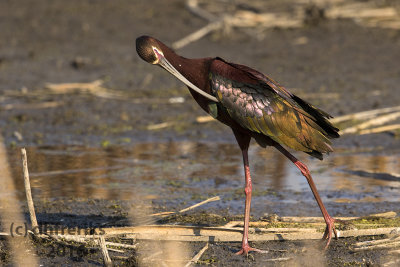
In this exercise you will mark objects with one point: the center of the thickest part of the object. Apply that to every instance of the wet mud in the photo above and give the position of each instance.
(94, 161)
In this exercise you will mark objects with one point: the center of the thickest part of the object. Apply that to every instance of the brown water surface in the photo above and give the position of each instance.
(180, 173)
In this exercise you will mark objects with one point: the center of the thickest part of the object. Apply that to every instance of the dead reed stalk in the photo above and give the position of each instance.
(28, 192)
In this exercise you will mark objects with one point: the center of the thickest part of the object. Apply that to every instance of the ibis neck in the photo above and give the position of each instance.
(196, 71)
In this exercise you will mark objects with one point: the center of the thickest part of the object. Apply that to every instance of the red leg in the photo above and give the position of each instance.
(330, 222)
(247, 190)
(244, 141)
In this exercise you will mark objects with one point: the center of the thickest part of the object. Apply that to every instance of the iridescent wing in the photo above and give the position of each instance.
(261, 105)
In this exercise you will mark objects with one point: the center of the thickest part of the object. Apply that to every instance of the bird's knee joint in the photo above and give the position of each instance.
(303, 168)
(247, 190)
(305, 172)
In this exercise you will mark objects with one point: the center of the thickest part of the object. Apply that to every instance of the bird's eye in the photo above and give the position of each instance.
(157, 52)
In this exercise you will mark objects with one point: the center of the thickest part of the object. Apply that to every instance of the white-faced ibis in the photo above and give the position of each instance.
(254, 106)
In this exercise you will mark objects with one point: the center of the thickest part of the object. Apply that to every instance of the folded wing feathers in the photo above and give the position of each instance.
(263, 111)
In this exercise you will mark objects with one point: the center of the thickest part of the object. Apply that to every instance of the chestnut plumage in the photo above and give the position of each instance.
(253, 106)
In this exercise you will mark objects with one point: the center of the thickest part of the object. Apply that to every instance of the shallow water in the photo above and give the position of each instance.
(178, 174)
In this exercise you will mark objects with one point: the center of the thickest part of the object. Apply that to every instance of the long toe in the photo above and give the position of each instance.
(330, 228)
(246, 249)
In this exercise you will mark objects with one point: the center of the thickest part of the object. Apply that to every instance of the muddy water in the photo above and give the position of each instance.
(178, 174)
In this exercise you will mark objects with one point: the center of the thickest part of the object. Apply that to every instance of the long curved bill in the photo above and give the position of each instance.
(167, 66)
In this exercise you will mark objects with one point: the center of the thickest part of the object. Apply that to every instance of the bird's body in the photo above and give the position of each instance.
(265, 109)
(254, 106)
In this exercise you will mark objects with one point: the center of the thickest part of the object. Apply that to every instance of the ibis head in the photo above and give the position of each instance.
(152, 51)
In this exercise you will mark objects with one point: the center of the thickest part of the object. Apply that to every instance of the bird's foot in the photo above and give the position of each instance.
(246, 249)
(330, 228)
